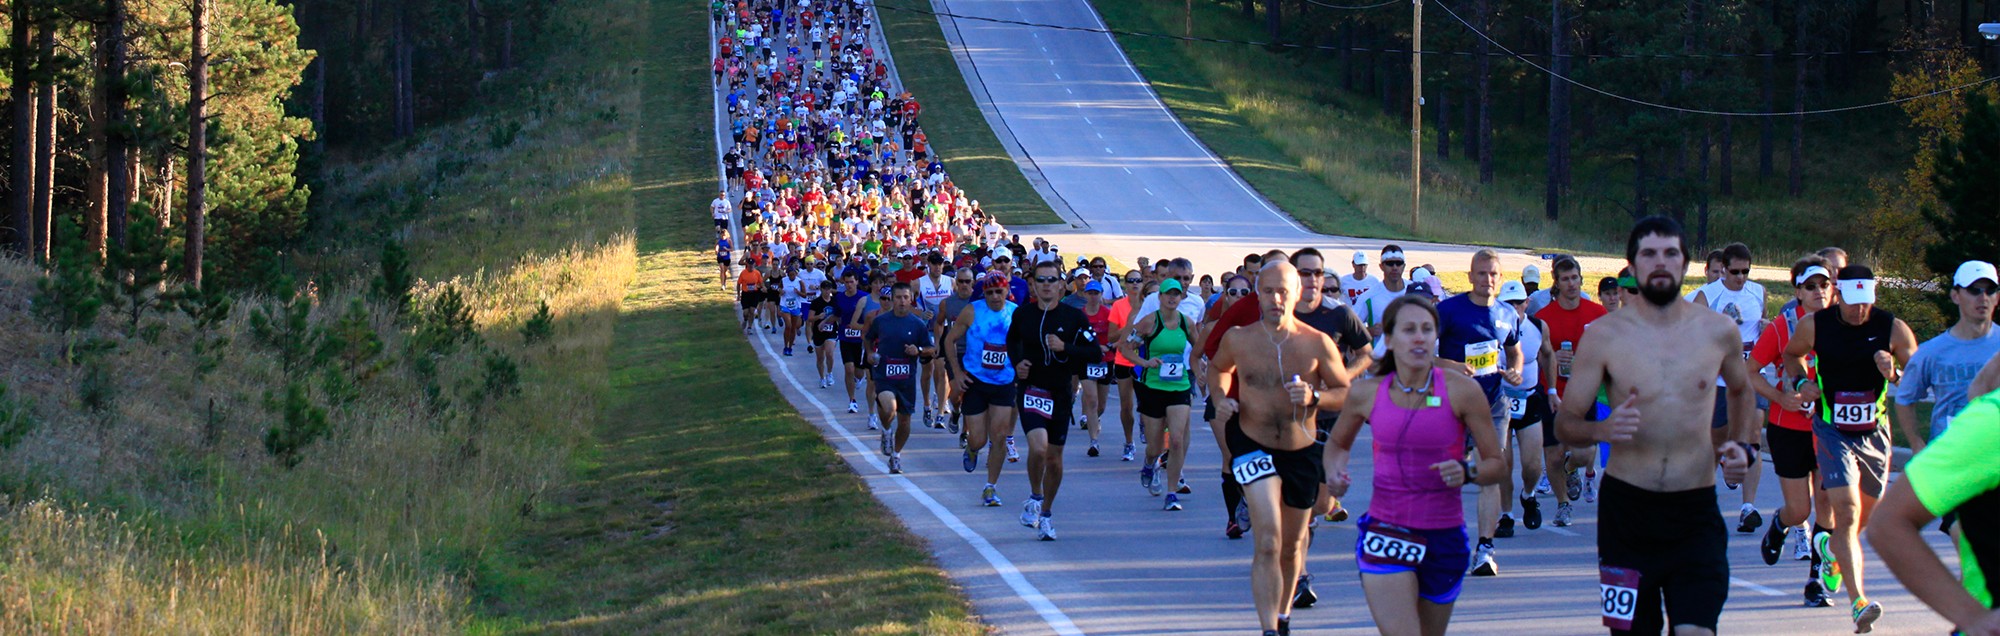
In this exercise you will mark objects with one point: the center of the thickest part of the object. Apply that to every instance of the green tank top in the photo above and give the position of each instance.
(1170, 347)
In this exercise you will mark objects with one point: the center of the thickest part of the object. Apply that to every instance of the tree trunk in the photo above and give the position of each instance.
(401, 45)
(1274, 19)
(507, 44)
(1767, 126)
(197, 176)
(1558, 113)
(1728, 152)
(1443, 125)
(1484, 75)
(1639, 178)
(1469, 127)
(118, 141)
(1250, 9)
(1347, 56)
(45, 148)
(21, 112)
(1701, 192)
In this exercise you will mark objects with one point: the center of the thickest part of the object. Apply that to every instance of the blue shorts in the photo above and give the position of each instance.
(1442, 573)
(799, 311)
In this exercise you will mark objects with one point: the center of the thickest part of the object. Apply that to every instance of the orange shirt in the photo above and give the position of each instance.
(750, 280)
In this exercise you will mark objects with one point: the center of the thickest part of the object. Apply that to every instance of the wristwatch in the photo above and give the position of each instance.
(1471, 470)
(1748, 451)
(1315, 401)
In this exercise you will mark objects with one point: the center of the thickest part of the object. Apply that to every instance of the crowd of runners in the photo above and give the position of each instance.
(844, 236)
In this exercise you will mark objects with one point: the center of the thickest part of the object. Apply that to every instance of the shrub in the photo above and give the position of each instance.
(300, 424)
(392, 285)
(539, 327)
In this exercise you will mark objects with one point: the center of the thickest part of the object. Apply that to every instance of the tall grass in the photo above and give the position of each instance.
(163, 513)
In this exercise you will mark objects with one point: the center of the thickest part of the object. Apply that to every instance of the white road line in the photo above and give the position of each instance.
(1754, 587)
(1100, 135)
(1067, 90)
(1087, 121)
(1051, 614)
(1149, 191)
(1564, 531)
(1127, 170)
(1107, 150)
(1058, 75)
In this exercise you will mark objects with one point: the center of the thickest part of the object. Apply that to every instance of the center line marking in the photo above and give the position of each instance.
(1107, 149)
(1149, 191)
(1754, 587)
(1127, 170)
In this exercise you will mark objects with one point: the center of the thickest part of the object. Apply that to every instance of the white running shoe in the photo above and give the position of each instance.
(1483, 563)
(1013, 455)
(852, 407)
(1046, 529)
(1801, 548)
(1031, 511)
(1543, 489)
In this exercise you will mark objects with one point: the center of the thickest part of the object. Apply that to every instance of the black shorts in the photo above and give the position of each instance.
(751, 299)
(979, 395)
(850, 353)
(1153, 402)
(1792, 454)
(1056, 424)
(722, 224)
(1677, 542)
(1323, 425)
(1106, 377)
(1121, 372)
(1299, 471)
(905, 392)
(1537, 412)
(826, 335)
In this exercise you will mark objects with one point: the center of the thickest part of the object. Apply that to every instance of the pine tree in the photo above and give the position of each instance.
(140, 268)
(1965, 182)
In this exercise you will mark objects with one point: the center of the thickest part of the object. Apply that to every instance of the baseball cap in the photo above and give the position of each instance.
(1857, 285)
(1094, 286)
(1974, 271)
(1420, 273)
(1513, 290)
(1419, 287)
(1171, 284)
(994, 279)
(1360, 258)
(1531, 274)
(1810, 272)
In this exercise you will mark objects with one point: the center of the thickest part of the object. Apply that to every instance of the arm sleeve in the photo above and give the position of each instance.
(1958, 466)
(1353, 335)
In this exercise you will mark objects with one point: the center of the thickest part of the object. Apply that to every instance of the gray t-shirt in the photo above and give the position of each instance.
(891, 333)
(1942, 368)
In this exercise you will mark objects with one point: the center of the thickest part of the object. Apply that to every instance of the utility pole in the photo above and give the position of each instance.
(1417, 115)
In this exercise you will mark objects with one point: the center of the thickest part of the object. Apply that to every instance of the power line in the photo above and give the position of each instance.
(1359, 8)
(1696, 111)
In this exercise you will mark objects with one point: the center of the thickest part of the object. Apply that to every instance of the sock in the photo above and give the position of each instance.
(1035, 497)
(1046, 514)
(1748, 508)
(1232, 494)
(1282, 618)
(989, 484)
(1486, 541)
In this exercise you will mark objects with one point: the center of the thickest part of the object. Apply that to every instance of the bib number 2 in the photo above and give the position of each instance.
(1619, 593)
(1252, 467)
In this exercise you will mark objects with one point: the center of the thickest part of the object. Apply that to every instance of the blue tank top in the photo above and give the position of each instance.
(986, 344)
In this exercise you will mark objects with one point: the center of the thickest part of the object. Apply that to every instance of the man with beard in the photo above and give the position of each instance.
(1661, 538)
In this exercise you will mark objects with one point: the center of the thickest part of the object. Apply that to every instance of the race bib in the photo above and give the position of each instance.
(789, 304)
(1038, 401)
(1517, 407)
(1173, 367)
(1252, 467)
(1385, 544)
(851, 333)
(993, 357)
(897, 369)
(1854, 411)
(1747, 346)
(826, 327)
(1096, 371)
(1619, 589)
(1483, 358)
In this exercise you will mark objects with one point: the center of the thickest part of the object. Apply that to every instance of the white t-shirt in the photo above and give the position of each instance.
(1745, 307)
(993, 233)
(933, 293)
(1354, 288)
(1371, 305)
(810, 279)
(720, 206)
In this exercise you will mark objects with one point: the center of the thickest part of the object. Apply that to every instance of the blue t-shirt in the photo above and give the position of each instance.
(891, 333)
(1019, 288)
(1478, 336)
(843, 311)
(1942, 369)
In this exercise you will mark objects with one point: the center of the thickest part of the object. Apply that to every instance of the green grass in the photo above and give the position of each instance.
(958, 132)
(708, 505)
(1318, 151)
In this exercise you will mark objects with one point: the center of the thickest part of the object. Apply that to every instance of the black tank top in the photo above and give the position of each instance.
(1851, 386)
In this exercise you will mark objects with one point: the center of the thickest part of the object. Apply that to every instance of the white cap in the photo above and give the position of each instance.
(1512, 290)
(1857, 291)
(1810, 272)
(1419, 273)
(1531, 274)
(1974, 271)
(1360, 258)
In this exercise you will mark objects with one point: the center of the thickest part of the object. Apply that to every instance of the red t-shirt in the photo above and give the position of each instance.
(1246, 311)
(1120, 315)
(1566, 327)
(1770, 349)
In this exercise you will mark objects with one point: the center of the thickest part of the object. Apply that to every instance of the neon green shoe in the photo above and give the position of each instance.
(1829, 568)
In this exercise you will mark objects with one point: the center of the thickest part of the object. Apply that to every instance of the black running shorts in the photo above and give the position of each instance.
(905, 392)
(1791, 452)
(1059, 403)
(850, 353)
(1537, 412)
(1676, 541)
(1120, 372)
(1153, 402)
(979, 395)
(1299, 471)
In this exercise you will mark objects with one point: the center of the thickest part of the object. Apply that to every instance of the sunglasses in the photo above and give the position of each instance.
(1048, 279)
(1237, 291)
(1739, 272)
(1134, 281)
(1392, 263)
(996, 292)
(1981, 291)
(1303, 272)
(962, 282)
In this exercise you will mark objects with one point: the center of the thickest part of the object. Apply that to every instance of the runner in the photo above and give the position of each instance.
(1789, 431)
(1608, 290)
(1528, 412)
(1372, 304)
(750, 293)
(1958, 475)
(1482, 339)
(1237, 311)
(1330, 316)
(1412, 549)
(1946, 364)
(1861, 349)
(895, 341)
(792, 297)
(1359, 283)
(1733, 295)
(948, 312)
(1567, 314)
(1048, 343)
(824, 326)
(1660, 538)
(1095, 378)
(1158, 351)
(869, 309)
(1270, 432)
(847, 304)
(1135, 292)
(724, 250)
(984, 376)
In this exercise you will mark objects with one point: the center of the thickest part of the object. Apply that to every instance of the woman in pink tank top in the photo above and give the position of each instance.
(1412, 549)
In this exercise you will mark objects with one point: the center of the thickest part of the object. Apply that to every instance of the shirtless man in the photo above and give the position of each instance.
(1661, 538)
(1270, 431)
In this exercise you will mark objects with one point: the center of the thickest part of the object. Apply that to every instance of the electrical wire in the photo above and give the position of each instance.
(1348, 8)
(1697, 111)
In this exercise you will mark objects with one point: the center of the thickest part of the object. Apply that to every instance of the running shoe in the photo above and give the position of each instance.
(1128, 453)
(1304, 597)
(1338, 513)
(1233, 531)
(990, 498)
(1575, 483)
(895, 465)
(1047, 530)
(1156, 483)
(788, 352)
(874, 421)
(1031, 510)
(1542, 489)
(1173, 502)
(953, 425)
(1829, 569)
(930, 419)
(809, 348)
(1243, 515)
(1563, 512)
(1748, 520)
(1865, 615)
(1773, 544)
(1284, 626)
(1013, 455)
(852, 407)
(1482, 562)
(1815, 595)
(1183, 488)
(1801, 546)
(1590, 487)
(885, 442)
(1093, 452)
(1146, 477)
(970, 460)
(1506, 528)
(1531, 513)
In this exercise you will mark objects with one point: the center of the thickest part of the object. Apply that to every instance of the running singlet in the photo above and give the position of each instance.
(1408, 492)
(986, 344)
(1100, 325)
(1476, 336)
(843, 311)
(1169, 346)
(1956, 473)
(1531, 358)
(1121, 315)
(933, 293)
(1566, 328)
(1852, 391)
(789, 298)
(1768, 350)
